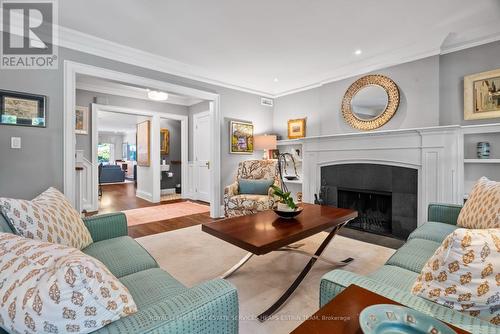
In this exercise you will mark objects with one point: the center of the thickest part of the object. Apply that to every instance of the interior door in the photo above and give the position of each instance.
(201, 157)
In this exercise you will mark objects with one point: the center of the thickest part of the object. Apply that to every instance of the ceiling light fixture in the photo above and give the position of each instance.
(275, 79)
(157, 95)
(358, 52)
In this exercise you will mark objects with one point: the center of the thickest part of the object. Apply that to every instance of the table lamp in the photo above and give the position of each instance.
(266, 143)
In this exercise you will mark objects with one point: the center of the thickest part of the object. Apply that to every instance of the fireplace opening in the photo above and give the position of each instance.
(386, 198)
(374, 209)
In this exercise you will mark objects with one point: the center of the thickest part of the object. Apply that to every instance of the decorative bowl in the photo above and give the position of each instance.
(386, 318)
(288, 214)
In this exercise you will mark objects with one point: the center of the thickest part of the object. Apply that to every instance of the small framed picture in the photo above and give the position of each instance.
(482, 95)
(81, 120)
(241, 137)
(274, 154)
(22, 109)
(297, 128)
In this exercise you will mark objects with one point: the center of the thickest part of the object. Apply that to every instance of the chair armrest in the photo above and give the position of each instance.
(107, 226)
(444, 213)
(231, 190)
(210, 307)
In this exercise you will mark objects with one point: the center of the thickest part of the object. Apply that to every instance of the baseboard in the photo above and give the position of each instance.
(144, 195)
(167, 191)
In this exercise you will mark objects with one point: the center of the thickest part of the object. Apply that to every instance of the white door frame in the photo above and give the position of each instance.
(195, 149)
(155, 147)
(71, 69)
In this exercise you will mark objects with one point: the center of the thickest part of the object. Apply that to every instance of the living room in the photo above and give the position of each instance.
(349, 166)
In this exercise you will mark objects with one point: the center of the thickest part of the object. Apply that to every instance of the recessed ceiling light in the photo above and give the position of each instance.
(358, 52)
(157, 95)
(275, 79)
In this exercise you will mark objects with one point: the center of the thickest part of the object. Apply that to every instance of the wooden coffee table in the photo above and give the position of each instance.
(265, 232)
(341, 314)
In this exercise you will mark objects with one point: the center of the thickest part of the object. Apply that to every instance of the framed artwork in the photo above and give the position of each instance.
(296, 128)
(482, 95)
(22, 109)
(164, 141)
(241, 137)
(143, 144)
(81, 120)
(274, 154)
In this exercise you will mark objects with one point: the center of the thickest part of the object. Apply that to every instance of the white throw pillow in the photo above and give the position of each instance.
(482, 209)
(51, 288)
(464, 274)
(49, 217)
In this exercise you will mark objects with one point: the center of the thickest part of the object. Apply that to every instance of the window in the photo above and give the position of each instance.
(105, 153)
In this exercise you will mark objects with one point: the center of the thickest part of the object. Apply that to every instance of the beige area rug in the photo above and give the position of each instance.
(193, 256)
(163, 212)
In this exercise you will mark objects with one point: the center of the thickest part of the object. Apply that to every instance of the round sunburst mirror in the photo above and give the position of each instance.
(370, 102)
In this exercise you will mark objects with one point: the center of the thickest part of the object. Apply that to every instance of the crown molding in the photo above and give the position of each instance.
(75, 40)
(78, 41)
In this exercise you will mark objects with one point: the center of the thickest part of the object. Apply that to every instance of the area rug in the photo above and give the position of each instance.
(163, 212)
(192, 256)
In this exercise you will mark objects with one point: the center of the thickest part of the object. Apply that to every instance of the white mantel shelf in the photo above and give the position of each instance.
(482, 161)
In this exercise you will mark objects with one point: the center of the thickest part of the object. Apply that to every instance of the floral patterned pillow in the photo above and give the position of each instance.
(49, 217)
(464, 274)
(51, 288)
(482, 209)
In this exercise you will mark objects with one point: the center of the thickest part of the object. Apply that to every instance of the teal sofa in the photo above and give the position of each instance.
(164, 304)
(395, 279)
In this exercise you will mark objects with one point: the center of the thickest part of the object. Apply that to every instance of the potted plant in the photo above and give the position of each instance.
(286, 207)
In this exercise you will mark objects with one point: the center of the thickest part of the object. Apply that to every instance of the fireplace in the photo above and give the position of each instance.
(384, 196)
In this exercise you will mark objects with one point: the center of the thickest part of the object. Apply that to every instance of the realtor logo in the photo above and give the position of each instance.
(29, 31)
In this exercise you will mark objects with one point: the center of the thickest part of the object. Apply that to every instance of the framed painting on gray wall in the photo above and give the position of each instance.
(81, 120)
(482, 95)
(240, 137)
(22, 109)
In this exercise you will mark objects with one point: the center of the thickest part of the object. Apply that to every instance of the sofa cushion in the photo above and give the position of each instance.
(463, 274)
(49, 217)
(123, 255)
(433, 231)
(396, 277)
(414, 254)
(52, 288)
(4, 225)
(151, 286)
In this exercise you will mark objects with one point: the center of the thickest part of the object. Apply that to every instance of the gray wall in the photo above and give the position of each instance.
(418, 82)
(174, 127)
(27, 172)
(86, 98)
(453, 67)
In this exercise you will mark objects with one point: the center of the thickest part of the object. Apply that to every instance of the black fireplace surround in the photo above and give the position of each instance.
(384, 196)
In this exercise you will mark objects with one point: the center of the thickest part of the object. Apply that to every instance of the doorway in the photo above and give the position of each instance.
(73, 69)
(201, 155)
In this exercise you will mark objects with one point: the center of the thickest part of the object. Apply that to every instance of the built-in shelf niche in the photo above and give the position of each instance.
(289, 146)
(475, 168)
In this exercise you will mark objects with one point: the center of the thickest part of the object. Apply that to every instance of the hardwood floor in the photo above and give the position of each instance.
(120, 197)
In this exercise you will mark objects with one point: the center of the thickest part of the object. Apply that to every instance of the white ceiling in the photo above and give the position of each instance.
(301, 42)
(102, 86)
(118, 123)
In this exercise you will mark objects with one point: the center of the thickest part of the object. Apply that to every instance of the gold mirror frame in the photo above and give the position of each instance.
(390, 88)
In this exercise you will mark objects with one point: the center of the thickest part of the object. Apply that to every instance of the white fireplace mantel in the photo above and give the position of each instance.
(437, 154)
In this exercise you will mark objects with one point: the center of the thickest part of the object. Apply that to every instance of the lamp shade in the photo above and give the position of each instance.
(264, 142)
